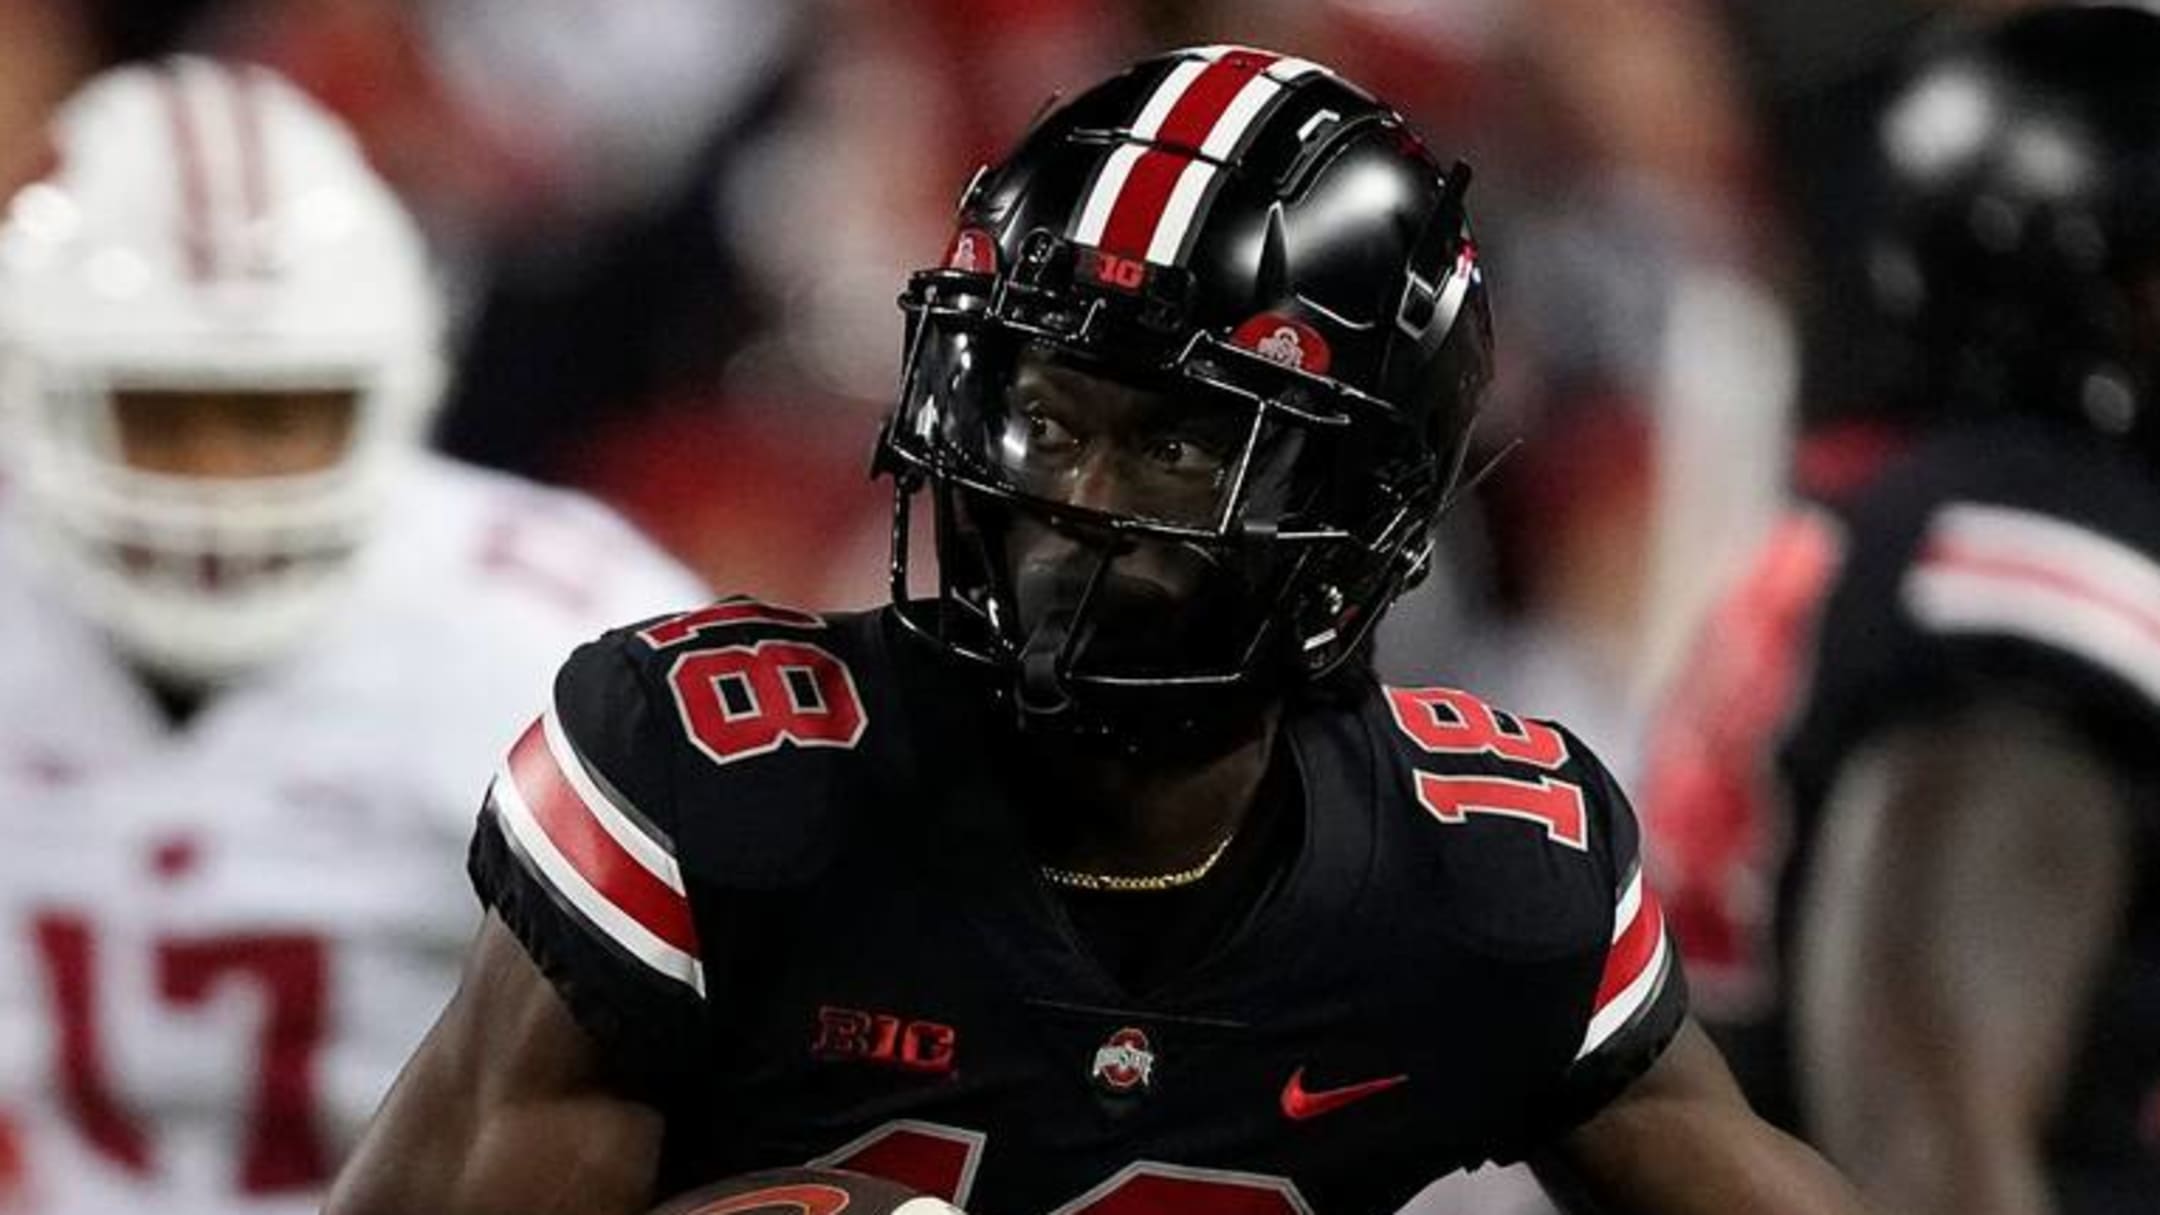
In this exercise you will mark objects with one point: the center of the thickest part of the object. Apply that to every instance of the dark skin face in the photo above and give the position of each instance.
(1100, 444)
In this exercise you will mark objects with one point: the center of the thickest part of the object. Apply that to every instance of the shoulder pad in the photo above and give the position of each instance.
(2006, 558)
(1538, 857)
(749, 725)
(1531, 834)
(1465, 757)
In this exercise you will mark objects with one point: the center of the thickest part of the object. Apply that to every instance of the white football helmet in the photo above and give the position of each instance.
(208, 228)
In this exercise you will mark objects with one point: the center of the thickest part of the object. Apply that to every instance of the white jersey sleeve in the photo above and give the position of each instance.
(218, 943)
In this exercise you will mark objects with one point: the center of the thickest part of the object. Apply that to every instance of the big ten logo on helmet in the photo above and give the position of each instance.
(1111, 270)
(884, 1039)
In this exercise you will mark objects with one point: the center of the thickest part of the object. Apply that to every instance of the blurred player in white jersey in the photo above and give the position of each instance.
(254, 643)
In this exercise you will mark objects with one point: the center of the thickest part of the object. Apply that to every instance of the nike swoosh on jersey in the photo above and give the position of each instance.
(1300, 1103)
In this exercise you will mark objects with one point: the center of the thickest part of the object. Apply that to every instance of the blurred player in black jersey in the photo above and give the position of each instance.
(1907, 792)
(1104, 877)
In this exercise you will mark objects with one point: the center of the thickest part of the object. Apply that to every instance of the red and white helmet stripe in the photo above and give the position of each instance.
(221, 169)
(1150, 194)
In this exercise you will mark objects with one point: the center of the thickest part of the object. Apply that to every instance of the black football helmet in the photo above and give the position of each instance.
(2017, 259)
(1276, 282)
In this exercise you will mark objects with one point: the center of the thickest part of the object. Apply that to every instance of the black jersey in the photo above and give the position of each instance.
(2016, 559)
(765, 858)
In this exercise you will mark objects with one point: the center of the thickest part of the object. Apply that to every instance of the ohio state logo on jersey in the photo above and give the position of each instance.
(1125, 1062)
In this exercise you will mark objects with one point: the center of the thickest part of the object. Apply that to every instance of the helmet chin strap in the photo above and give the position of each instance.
(1051, 648)
(1041, 691)
(1166, 725)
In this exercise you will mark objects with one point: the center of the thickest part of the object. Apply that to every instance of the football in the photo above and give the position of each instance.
(805, 1191)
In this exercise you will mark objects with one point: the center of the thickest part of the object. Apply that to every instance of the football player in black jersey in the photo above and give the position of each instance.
(1103, 876)
(1906, 794)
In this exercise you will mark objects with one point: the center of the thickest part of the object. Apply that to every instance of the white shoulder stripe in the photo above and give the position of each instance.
(1947, 601)
(1630, 903)
(647, 851)
(1996, 570)
(2048, 543)
(527, 836)
(1630, 1000)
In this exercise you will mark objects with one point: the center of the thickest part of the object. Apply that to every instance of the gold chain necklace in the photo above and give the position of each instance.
(1123, 882)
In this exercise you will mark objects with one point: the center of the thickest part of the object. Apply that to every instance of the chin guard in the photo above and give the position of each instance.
(1040, 692)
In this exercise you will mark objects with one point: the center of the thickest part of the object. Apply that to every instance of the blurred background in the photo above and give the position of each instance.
(674, 230)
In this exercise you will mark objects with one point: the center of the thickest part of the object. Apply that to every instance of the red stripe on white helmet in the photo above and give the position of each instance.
(193, 182)
(254, 172)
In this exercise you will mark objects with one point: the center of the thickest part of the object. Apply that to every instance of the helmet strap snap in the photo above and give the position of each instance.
(1040, 691)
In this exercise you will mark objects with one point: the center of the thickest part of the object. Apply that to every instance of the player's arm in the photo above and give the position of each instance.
(581, 1013)
(1681, 1140)
(1970, 878)
(1656, 1124)
(504, 1110)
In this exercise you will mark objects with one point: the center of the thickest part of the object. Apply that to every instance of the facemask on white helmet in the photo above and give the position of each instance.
(211, 257)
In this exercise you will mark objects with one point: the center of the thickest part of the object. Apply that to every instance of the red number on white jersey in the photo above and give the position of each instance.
(14, 1170)
(282, 1150)
(1444, 721)
(284, 1147)
(68, 950)
(741, 701)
